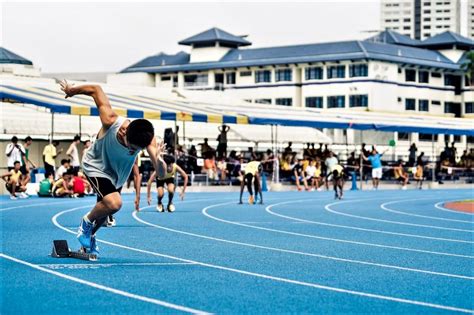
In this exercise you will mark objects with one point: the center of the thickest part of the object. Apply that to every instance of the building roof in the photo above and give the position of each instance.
(392, 37)
(215, 35)
(7, 56)
(322, 52)
(161, 59)
(447, 38)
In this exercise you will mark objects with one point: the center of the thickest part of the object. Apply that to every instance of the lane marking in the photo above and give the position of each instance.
(384, 207)
(361, 262)
(267, 209)
(105, 288)
(388, 221)
(301, 283)
(99, 265)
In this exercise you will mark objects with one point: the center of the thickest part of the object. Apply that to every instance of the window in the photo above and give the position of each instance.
(406, 20)
(449, 80)
(427, 27)
(435, 103)
(436, 74)
(283, 75)
(230, 77)
(427, 11)
(426, 3)
(358, 101)
(246, 73)
(314, 73)
(263, 76)
(196, 80)
(406, 27)
(404, 136)
(336, 72)
(427, 137)
(456, 138)
(314, 102)
(336, 101)
(410, 104)
(166, 78)
(423, 77)
(410, 75)
(423, 105)
(263, 101)
(361, 70)
(284, 101)
(469, 108)
(399, 70)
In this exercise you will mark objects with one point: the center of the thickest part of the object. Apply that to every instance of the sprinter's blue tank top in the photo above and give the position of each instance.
(108, 158)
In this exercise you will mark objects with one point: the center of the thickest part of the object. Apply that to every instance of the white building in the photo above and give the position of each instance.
(421, 19)
(470, 19)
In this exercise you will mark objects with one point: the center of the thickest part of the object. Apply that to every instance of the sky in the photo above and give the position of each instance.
(109, 36)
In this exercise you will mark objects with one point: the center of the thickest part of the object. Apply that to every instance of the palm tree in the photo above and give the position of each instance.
(468, 67)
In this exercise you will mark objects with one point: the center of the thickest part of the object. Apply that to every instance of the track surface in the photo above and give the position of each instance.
(373, 252)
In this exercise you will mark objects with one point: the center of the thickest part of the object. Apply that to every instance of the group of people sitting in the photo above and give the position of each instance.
(69, 182)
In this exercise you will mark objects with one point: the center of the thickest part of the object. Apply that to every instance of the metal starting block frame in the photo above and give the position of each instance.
(62, 250)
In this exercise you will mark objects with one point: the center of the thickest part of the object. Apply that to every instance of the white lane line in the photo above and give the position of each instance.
(284, 280)
(267, 209)
(42, 204)
(361, 262)
(440, 207)
(388, 221)
(105, 288)
(99, 265)
(384, 207)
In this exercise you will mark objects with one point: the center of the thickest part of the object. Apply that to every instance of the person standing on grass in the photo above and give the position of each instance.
(73, 153)
(376, 162)
(168, 179)
(49, 157)
(108, 163)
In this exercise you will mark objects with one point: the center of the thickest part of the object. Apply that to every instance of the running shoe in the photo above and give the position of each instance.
(159, 207)
(111, 221)
(171, 207)
(94, 247)
(23, 195)
(251, 200)
(84, 233)
(13, 197)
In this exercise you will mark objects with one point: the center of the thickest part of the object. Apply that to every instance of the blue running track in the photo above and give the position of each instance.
(386, 252)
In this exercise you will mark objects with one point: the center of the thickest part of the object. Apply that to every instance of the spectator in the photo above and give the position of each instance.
(310, 173)
(15, 152)
(376, 162)
(210, 167)
(317, 152)
(13, 181)
(222, 141)
(49, 156)
(464, 159)
(222, 170)
(401, 175)
(63, 186)
(353, 162)
(420, 160)
(326, 151)
(288, 149)
(45, 186)
(73, 153)
(87, 145)
(250, 154)
(307, 150)
(78, 184)
(65, 166)
(298, 174)
(453, 154)
(205, 148)
(330, 162)
(412, 155)
(418, 176)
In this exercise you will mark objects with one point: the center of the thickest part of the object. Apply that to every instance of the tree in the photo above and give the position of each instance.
(468, 67)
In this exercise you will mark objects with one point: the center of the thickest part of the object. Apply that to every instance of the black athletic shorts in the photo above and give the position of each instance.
(162, 182)
(102, 187)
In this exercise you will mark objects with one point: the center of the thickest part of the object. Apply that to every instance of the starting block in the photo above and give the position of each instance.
(62, 250)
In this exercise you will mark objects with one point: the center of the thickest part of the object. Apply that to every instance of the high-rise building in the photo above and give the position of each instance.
(421, 19)
(470, 19)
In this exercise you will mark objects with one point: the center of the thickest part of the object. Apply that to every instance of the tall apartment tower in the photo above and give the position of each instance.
(470, 19)
(421, 19)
